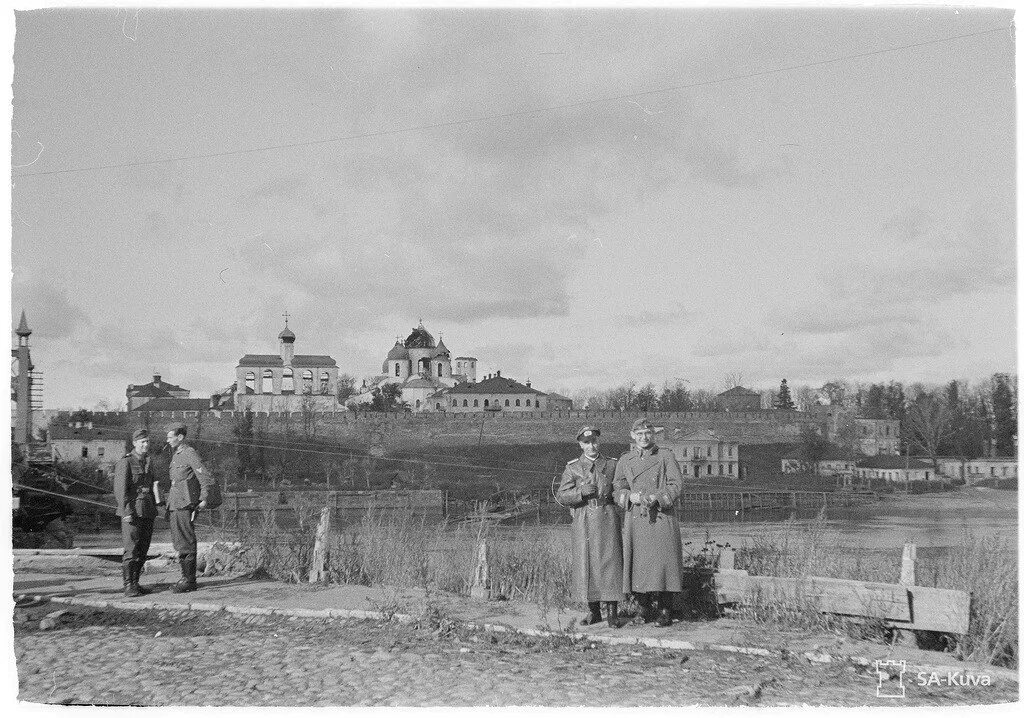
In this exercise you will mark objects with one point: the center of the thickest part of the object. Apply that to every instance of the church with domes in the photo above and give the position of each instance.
(424, 369)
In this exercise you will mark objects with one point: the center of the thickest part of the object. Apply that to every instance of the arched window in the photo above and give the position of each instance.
(440, 371)
(417, 403)
(325, 382)
(250, 383)
(438, 406)
(487, 402)
(538, 403)
(517, 402)
(527, 402)
(398, 369)
(268, 382)
(506, 402)
(465, 402)
(476, 402)
(288, 381)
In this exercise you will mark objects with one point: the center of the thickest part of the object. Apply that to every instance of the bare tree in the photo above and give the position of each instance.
(733, 379)
(805, 397)
(929, 423)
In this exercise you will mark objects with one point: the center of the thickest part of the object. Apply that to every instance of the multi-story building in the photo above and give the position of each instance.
(835, 461)
(703, 453)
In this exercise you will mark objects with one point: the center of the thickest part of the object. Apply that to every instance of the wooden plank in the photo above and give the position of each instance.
(939, 609)
(917, 608)
(830, 595)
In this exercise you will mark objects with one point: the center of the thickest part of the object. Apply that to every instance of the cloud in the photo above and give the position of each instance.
(48, 309)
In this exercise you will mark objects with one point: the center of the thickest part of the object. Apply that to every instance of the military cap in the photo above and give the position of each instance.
(640, 424)
(177, 427)
(588, 432)
(140, 434)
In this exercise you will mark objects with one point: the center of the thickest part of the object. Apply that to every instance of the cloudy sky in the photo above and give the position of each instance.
(578, 197)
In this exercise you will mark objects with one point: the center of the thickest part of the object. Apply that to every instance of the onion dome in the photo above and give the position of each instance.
(287, 335)
(398, 352)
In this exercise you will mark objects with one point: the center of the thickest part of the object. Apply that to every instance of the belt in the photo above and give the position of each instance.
(142, 490)
(602, 501)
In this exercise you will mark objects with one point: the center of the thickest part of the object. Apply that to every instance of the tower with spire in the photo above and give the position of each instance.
(21, 381)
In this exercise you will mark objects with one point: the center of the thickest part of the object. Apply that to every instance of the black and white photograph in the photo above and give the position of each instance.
(503, 356)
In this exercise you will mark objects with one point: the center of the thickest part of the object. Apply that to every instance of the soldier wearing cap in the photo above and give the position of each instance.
(647, 485)
(586, 488)
(190, 483)
(135, 490)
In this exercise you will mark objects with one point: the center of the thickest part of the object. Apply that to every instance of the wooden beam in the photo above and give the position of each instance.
(915, 608)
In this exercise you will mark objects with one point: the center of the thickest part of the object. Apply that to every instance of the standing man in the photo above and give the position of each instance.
(586, 488)
(134, 486)
(190, 485)
(647, 485)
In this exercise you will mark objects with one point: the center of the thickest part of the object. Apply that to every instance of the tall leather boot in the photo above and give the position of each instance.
(188, 575)
(611, 610)
(595, 614)
(136, 575)
(131, 589)
(664, 609)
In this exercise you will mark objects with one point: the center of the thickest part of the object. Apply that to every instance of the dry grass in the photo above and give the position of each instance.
(985, 567)
(528, 564)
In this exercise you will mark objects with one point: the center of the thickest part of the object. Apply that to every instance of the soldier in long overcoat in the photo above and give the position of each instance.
(647, 485)
(134, 492)
(586, 489)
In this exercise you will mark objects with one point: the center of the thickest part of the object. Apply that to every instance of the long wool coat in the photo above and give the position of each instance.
(596, 530)
(651, 545)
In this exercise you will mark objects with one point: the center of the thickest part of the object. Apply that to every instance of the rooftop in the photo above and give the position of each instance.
(170, 403)
(495, 385)
(883, 461)
(739, 391)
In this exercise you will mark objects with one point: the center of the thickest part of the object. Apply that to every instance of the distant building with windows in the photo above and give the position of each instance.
(494, 393)
(975, 470)
(139, 394)
(834, 461)
(704, 453)
(286, 381)
(81, 441)
(557, 402)
(872, 437)
(895, 469)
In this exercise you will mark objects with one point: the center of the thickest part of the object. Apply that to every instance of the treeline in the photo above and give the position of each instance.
(958, 418)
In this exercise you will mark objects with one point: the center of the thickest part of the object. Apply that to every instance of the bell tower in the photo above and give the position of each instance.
(21, 386)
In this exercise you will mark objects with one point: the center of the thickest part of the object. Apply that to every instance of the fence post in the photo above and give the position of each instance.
(481, 589)
(908, 572)
(318, 571)
(908, 577)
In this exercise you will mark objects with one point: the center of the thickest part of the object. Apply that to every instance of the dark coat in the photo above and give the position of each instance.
(596, 530)
(651, 545)
(190, 481)
(133, 486)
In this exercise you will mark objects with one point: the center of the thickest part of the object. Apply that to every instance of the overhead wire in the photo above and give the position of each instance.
(514, 113)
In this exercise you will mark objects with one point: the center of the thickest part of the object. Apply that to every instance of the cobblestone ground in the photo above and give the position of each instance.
(194, 658)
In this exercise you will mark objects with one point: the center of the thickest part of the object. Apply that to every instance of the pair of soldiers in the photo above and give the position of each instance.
(137, 493)
(625, 533)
